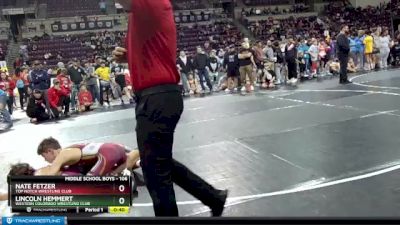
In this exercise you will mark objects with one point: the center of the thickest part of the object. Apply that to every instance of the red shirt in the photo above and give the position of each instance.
(85, 98)
(128, 80)
(54, 96)
(8, 86)
(151, 44)
(65, 83)
(24, 77)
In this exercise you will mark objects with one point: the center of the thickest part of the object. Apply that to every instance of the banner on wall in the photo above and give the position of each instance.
(79, 26)
(13, 11)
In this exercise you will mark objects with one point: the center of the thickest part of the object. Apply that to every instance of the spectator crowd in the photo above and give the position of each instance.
(79, 87)
(52, 83)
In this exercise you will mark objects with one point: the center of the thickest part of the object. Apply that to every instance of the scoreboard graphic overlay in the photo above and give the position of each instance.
(71, 194)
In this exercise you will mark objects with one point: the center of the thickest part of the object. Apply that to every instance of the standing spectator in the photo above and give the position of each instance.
(76, 74)
(18, 64)
(104, 73)
(8, 86)
(377, 46)
(369, 48)
(353, 47)
(231, 65)
(213, 65)
(58, 99)
(98, 63)
(304, 51)
(118, 71)
(259, 57)
(313, 51)
(323, 57)
(269, 62)
(291, 56)
(36, 109)
(343, 48)
(359, 54)
(280, 61)
(200, 63)
(21, 83)
(184, 64)
(247, 65)
(384, 48)
(91, 81)
(85, 99)
(39, 78)
(26, 77)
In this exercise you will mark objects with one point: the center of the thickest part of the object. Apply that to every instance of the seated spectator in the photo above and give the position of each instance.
(334, 67)
(268, 77)
(36, 109)
(85, 99)
(351, 67)
(58, 99)
(128, 82)
(193, 84)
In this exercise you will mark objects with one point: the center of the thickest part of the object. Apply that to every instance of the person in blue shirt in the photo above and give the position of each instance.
(39, 78)
(303, 49)
(353, 48)
(361, 49)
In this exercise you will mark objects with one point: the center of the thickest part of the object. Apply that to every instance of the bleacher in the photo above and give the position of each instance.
(265, 2)
(69, 50)
(71, 8)
(188, 4)
(223, 33)
(4, 3)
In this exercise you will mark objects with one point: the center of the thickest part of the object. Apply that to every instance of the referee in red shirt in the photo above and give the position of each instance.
(151, 55)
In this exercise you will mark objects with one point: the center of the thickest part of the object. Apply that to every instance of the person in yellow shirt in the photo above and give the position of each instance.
(104, 73)
(369, 48)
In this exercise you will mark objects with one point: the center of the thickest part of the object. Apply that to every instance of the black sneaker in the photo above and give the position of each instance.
(219, 206)
(345, 82)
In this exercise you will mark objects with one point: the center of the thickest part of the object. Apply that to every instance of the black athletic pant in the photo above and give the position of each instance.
(344, 60)
(22, 96)
(105, 87)
(157, 114)
(292, 69)
(10, 104)
(39, 114)
(63, 102)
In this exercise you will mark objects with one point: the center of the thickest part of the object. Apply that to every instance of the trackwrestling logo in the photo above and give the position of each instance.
(33, 220)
